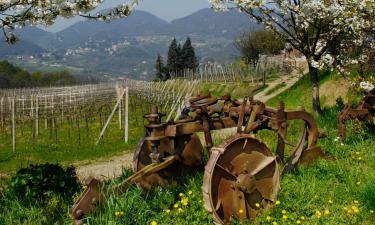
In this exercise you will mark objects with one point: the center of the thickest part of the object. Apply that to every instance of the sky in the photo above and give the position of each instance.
(165, 9)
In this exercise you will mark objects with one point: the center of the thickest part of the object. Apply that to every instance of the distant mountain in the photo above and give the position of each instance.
(33, 34)
(205, 22)
(138, 24)
(209, 22)
(22, 47)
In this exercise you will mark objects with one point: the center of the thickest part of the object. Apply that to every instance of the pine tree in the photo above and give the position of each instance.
(173, 57)
(160, 69)
(188, 57)
(180, 61)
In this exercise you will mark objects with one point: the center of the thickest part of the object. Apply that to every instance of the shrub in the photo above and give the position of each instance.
(38, 183)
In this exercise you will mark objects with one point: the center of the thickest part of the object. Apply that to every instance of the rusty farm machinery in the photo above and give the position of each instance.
(241, 172)
(364, 112)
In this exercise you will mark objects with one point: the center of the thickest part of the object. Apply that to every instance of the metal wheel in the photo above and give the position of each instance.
(241, 177)
(189, 149)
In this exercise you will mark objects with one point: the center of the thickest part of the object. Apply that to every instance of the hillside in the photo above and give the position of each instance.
(130, 45)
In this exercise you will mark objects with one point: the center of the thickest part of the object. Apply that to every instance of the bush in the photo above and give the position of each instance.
(38, 183)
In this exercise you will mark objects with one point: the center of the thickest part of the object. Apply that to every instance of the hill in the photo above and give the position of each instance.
(130, 45)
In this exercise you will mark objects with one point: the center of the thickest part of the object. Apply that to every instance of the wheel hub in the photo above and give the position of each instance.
(246, 183)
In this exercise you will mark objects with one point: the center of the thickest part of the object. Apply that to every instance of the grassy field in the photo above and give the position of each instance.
(339, 191)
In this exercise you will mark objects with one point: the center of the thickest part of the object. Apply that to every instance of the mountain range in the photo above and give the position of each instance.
(129, 45)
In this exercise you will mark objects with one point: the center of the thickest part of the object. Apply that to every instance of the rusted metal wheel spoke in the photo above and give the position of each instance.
(226, 171)
(231, 201)
(264, 164)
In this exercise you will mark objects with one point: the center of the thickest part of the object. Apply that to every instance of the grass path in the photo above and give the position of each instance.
(272, 90)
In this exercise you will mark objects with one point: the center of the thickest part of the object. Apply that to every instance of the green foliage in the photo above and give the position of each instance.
(37, 183)
(253, 44)
(14, 77)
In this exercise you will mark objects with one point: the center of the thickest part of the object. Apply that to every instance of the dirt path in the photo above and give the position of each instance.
(106, 169)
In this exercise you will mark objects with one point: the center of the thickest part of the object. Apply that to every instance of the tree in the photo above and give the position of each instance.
(173, 57)
(160, 69)
(323, 31)
(188, 57)
(19, 13)
(253, 44)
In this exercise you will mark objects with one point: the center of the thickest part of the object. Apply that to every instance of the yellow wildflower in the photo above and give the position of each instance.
(318, 214)
(371, 211)
(268, 218)
(179, 210)
(358, 183)
(257, 205)
(278, 202)
(274, 223)
(153, 223)
(285, 217)
(356, 202)
(181, 195)
(330, 201)
(175, 206)
(185, 201)
(298, 222)
(327, 212)
(359, 158)
(283, 212)
(302, 218)
(357, 153)
(190, 192)
(240, 211)
(355, 209)
(167, 211)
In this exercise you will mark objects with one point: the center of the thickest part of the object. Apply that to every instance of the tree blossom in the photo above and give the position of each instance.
(331, 33)
(367, 86)
(19, 13)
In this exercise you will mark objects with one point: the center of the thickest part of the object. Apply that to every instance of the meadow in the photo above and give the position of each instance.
(339, 190)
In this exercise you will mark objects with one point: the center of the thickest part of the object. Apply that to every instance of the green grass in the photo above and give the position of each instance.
(330, 187)
(300, 94)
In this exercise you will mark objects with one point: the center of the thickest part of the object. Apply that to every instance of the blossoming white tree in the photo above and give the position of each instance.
(19, 13)
(325, 31)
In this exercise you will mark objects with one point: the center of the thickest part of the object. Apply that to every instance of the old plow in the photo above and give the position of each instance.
(364, 112)
(242, 174)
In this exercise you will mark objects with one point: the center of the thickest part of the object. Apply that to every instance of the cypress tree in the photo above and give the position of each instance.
(188, 55)
(173, 57)
(180, 60)
(160, 69)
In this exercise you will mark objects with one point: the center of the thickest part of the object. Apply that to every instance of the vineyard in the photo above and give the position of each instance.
(68, 124)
